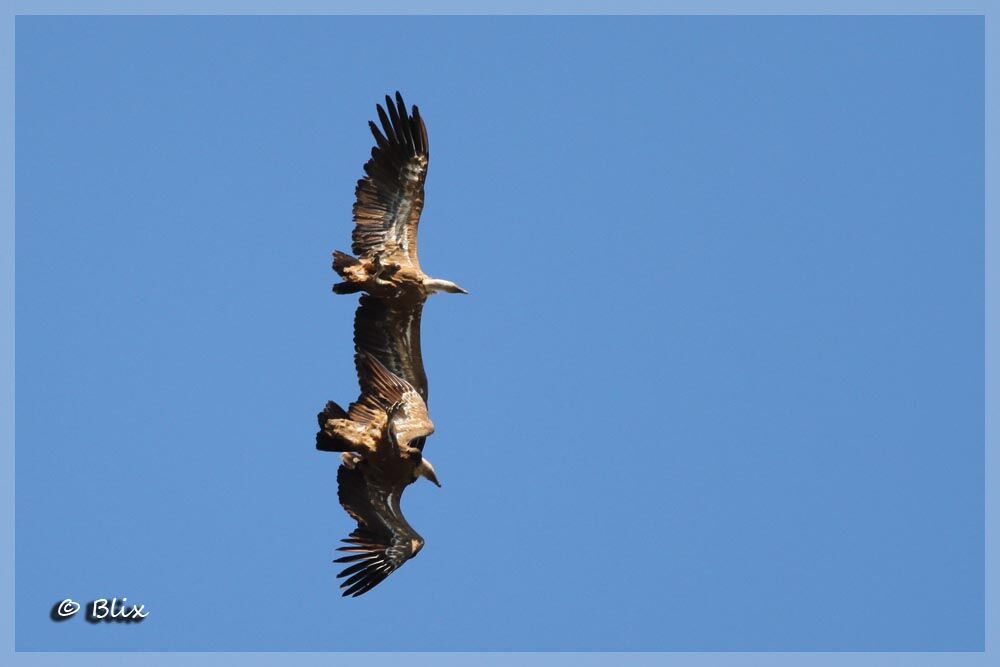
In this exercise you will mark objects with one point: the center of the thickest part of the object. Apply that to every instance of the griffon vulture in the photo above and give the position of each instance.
(387, 207)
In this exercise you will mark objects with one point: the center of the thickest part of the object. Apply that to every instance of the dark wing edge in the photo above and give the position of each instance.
(390, 198)
(383, 540)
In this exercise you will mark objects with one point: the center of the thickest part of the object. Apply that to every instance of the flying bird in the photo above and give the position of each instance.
(387, 207)
(378, 436)
(381, 436)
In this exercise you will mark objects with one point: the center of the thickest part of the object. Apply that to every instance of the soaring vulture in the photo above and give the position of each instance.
(387, 207)
(381, 436)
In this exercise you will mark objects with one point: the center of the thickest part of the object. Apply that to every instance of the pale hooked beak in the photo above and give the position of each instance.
(438, 285)
(425, 469)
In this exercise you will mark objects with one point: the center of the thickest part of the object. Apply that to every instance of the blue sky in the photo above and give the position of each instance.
(718, 385)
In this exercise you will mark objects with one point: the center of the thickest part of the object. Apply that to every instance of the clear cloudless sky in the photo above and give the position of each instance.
(718, 384)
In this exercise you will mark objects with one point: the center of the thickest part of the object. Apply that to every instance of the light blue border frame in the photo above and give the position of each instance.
(10, 10)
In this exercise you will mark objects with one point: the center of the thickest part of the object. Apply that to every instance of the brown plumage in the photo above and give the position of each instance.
(381, 436)
(383, 540)
(387, 207)
(389, 408)
(389, 330)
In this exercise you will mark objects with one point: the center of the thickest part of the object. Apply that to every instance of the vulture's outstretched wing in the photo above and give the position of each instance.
(390, 332)
(388, 201)
(380, 390)
(386, 395)
(383, 540)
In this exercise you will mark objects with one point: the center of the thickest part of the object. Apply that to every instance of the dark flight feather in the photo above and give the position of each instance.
(383, 540)
(389, 200)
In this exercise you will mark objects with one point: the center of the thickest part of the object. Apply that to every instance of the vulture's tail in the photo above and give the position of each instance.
(341, 263)
(324, 441)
